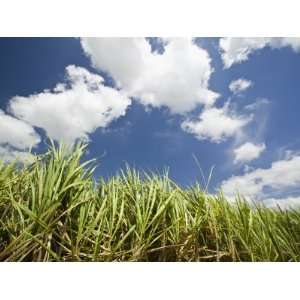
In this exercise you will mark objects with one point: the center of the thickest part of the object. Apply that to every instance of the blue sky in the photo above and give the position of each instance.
(232, 103)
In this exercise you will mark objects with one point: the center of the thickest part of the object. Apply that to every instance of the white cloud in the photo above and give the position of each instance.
(178, 78)
(239, 85)
(74, 108)
(248, 152)
(7, 154)
(236, 50)
(16, 133)
(216, 124)
(284, 203)
(283, 177)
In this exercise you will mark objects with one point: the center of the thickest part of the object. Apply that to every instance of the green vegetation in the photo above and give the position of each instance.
(52, 210)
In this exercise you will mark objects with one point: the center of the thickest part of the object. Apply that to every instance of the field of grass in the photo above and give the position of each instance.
(53, 210)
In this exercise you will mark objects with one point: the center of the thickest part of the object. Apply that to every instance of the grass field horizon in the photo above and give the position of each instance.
(54, 210)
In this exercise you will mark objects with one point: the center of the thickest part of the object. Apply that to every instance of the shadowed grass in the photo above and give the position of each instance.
(52, 210)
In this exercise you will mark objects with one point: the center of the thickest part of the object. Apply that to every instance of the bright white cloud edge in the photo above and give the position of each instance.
(276, 182)
(17, 133)
(216, 124)
(248, 152)
(177, 78)
(237, 50)
(73, 109)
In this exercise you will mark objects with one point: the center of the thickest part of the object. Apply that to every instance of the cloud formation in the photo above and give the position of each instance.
(248, 152)
(215, 124)
(283, 203)
(7, 154)
(73, 109)
(237, 50)
(178, 78)
(239, 85)
(282, 178)
(16, 133)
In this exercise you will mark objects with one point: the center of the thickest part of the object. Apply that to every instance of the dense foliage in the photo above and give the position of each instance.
(52, 210)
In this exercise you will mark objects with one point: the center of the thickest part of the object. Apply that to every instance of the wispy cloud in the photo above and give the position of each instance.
(240, 85)
(237, 50)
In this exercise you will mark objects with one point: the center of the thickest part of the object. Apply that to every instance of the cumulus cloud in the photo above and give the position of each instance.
(74, 108)
(248, 152)
(178, 78)
(236, 50)
(215, 124)
(16, 133)
(283, 177)
(239, 85)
